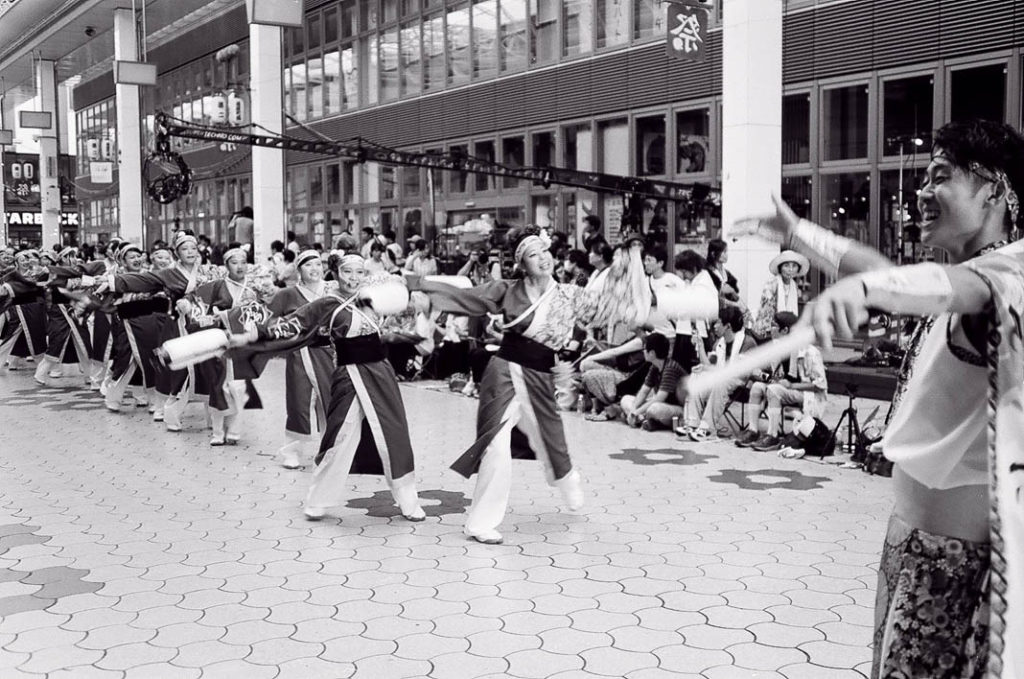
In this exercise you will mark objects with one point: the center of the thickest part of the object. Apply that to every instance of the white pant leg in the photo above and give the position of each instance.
(493, 479)
(116, 389)
(328, 489)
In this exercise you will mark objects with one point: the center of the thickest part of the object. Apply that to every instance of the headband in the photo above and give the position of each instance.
(543, 242)
(26, 253)
(235, 252)
(351, 259)
(181, 238)
(67, 252)
(126, 248)
(1012, 199)
(306, 256)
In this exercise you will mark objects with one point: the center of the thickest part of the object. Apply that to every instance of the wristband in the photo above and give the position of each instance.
(824, 248)
(918, 289)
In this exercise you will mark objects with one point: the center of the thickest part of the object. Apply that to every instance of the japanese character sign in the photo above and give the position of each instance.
(687, 28)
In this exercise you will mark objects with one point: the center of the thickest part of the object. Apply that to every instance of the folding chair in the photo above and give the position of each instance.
(739, 395)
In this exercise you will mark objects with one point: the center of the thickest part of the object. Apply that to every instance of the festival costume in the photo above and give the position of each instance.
(24, 331)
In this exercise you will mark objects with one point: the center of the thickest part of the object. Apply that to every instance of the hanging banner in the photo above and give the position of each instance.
(101, 172)
(687, 29)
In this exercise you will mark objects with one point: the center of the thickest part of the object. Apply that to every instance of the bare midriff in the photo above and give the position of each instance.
(960, 512)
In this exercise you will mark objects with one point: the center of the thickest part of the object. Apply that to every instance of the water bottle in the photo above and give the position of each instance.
(675, 423)
(580, 404)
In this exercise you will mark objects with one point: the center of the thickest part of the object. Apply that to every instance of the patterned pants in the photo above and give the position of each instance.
(931, 610)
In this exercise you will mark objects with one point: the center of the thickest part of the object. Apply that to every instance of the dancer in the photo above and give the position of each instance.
(103, 320)
(24, 332)
(518, 388)
(956, 535)
(68, 339)
(363, 387)
(308, 370)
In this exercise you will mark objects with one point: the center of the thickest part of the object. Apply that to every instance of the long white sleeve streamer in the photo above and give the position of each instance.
(756, 359)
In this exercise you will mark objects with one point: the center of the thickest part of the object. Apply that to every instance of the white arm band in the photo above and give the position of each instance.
(693, 302)
(824, 248)
(918, 289)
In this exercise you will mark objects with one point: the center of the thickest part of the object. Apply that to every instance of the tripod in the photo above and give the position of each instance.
(852, 423)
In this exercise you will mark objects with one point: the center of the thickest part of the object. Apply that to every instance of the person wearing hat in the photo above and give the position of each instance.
(364, 392)
(780, 293)
(24, 333)
(308, 370)
(68, 339)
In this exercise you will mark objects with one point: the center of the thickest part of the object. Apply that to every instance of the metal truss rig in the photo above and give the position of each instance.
(694, 195)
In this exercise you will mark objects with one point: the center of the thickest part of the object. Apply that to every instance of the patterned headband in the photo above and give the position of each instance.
(234, 252)
(543, 242)
(306, 256)
(1012, 199)
(351, 259)
(181, 238)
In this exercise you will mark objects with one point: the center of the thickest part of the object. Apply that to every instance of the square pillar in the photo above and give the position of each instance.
(130, 208)
(267, 101)
(49, 154)
(751, 132)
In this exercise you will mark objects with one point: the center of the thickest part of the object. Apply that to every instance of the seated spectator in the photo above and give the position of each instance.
(780, 293)
(605, 377)
(692, 269)
(661, 396)
(803, 384)
(705, 415)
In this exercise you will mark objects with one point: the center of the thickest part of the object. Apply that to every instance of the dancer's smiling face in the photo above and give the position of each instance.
(236, 267)
(537, 261)
(311, 272)
(350, 276)
(161, 259)
(188, 253)
(952, 204)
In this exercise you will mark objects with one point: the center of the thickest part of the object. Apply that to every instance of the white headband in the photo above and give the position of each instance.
(527, 242)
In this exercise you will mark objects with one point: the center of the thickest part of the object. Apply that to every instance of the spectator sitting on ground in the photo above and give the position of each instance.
(607, 375)
(661, 396)
(804, 385)
(705, 416)
(692, 269)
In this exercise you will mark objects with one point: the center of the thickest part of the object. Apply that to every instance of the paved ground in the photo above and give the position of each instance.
(129, 552)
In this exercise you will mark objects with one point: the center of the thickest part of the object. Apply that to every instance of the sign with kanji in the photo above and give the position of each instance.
(687, 32)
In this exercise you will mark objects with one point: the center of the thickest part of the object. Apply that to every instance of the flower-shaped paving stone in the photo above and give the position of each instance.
(765, 479)
(55, 399)
(434, 502)
(41, 587)
(662, 456)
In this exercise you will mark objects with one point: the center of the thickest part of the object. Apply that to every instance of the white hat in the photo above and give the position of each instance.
(790, 256)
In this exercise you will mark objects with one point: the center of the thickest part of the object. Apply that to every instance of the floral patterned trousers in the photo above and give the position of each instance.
(931, 610)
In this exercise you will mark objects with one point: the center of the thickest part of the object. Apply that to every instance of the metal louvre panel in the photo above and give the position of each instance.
(453, 121)
(689, 80)
(715, 61)
(402, 124)
(431, 112)
(843, 40)
(539, 102)
(609, 83)
(206, 39)
(894, 44)
(479, 114)
(979, 26)
(508, 101)
(648, 77)
(798, 47)
(575, 86)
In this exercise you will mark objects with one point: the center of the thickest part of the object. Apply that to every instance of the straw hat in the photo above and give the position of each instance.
(790, 256)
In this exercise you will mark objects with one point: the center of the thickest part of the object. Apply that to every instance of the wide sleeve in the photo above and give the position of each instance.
(151, 281)
(475, 301)
(697, 301)
(300, 325)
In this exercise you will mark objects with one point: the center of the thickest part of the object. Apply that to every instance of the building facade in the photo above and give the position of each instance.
(584, 84)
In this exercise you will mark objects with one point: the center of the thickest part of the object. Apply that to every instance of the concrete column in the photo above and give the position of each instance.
(5, 238)
(267, 164)
(751, 131)
(49, 150)
(130, 208)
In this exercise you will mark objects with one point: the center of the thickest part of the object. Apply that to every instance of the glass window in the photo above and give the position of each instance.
(387, 182)
(299, 90)
(332, 82)
(796, 191)
(369, 61)
(412, 65)
(649, 18)
(315, 85)
(410, 7)
(433, 52)
(349, 78)
(316, 186)
(544, 24)
(333, 184)
(514, 42)
(613, 139)
(348, 186)
(577, 153)
(796, 128)
(313, 36)
(845, 122)
(650, 145)
(895, 232)
(577, 27)
(330, 25)
(612, 22)
(846, 198)
(299, 188)
(978, 93)
(368, 14)
(459, 65)
(906, 113)
(389, 65)
(456, 178)
(390, 10)
(485, 38)
(410, 182)
(298, 41)
(693, 141)
(349, 19)
(484, 150)
(543, 149)
(513, 154)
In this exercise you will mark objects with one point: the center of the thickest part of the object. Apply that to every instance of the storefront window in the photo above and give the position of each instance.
(796, 128)
(387, 182)
(433, 52)
(485, 38)
(848, 210)
(612, 22)
(513, 154)
(316, 185)
(845, 122)
(577, 153)
(484, 150)
(650, 145)
(299, 188)
(315, 84)
(348, 185)
(577, 27)
(412, 75)
(389, 65)
(613, 139)
(459, 62)
(693, 143)
(543, 149)
(544, 22)
(978, 93)
(514, 45)
(456, 179)
(333, 184)
(410, 182)
(796, 191)
(894, 233)
(906, 114)
(649, 18)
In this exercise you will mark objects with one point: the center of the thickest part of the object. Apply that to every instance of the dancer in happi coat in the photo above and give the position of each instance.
(67, 332)
(950, 596)
(24, 304)
(308, 370)
(102, 319)
(363, 386)
(518, 389)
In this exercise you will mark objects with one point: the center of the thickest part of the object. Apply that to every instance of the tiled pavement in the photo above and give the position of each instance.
(129, 552)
